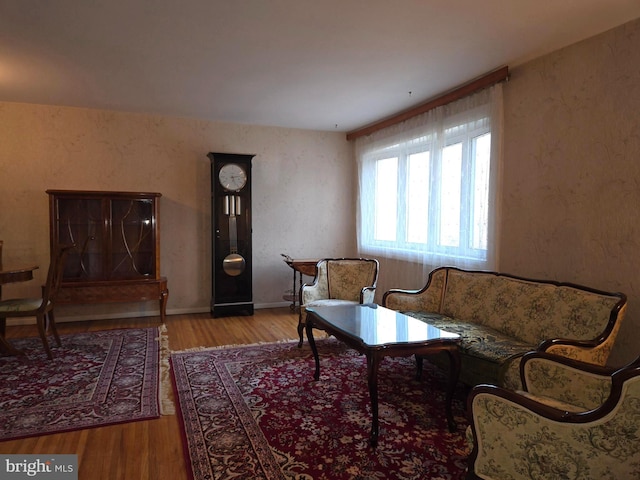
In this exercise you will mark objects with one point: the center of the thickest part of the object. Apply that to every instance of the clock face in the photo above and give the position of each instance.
(232, 177)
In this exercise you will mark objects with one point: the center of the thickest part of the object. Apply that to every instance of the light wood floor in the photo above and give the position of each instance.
(149, 449)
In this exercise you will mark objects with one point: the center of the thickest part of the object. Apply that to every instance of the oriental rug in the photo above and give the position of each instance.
(95, 379)
(255, 412)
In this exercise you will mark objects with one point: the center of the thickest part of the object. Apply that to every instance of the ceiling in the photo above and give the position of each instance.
(321, 65)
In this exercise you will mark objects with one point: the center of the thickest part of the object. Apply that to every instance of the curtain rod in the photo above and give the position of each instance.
(483, 82)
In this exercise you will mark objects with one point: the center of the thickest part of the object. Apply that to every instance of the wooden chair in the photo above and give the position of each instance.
(338, 281)
(573, 420)
(42, 307)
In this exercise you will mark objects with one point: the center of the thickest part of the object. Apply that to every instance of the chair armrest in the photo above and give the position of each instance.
(398, 294)
(509, 401)
(408, 300)
(596, 350)
(367, 294)
(427, 299)
(566, 380)
(590, 351)
(313, 291)
(548, 344)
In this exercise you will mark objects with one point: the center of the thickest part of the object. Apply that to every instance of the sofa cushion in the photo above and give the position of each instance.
(329, 302)
(478, 340)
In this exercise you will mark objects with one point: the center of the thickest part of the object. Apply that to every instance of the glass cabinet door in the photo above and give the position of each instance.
(80, 221)
(132, 238)
(115, 234)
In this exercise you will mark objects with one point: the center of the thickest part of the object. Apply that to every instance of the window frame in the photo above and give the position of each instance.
(456, 131)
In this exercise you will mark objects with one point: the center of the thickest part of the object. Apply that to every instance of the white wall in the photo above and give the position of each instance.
(572, 170)
(302, 192)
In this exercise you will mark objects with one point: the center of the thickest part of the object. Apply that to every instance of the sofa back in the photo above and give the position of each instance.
(529, 310)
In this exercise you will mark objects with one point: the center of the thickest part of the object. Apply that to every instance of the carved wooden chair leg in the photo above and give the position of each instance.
(43, 334)
(51, 324)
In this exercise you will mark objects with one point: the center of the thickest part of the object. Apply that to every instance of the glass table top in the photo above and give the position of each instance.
(376, 325)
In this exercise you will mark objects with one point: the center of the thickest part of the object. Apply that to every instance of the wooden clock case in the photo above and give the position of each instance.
(231, 289)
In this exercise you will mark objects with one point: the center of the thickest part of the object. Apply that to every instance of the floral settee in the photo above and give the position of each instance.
(501, 317)
(574, 421)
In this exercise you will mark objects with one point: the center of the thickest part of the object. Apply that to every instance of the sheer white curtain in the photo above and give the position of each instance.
(427, 191)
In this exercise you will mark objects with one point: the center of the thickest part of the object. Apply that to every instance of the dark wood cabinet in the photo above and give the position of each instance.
(117, 246)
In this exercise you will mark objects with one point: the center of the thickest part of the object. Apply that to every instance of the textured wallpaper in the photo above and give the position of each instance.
(572, 170)
(302, 192)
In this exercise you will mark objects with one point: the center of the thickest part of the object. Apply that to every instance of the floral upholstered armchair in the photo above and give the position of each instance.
(574, 421)
(338, 281)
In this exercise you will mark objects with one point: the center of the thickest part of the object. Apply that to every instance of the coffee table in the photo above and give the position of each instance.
(378, 332)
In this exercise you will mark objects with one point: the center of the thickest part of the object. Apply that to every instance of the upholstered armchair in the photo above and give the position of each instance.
(338, 281)
(573, 421)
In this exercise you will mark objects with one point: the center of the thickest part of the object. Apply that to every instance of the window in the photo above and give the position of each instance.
(429, 193)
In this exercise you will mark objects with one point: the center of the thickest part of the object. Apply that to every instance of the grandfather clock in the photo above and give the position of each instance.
(231, 289)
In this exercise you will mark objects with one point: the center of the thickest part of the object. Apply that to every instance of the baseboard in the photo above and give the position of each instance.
(107, 316)
(272, 305)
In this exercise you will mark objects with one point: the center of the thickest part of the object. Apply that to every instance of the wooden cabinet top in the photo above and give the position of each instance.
(97, 193)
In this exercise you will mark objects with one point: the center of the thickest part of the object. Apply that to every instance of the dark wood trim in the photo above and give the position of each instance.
(478, 84)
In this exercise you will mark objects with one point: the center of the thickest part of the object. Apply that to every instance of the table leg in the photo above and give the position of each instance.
(419, 366)
(454, 373)
(314, 349)
(373, 363)
(293, 293)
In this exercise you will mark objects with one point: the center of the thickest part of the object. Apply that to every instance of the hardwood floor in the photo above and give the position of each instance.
(150, 449)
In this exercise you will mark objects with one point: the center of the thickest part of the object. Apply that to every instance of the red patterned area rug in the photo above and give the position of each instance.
(254, 412)
(95, 379)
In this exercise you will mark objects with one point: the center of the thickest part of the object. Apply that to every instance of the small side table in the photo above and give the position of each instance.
(302, 267)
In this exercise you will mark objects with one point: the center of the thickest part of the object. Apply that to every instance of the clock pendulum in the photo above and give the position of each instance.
(234, 263)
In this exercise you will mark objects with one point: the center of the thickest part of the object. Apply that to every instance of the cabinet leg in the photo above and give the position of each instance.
(164, 295)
